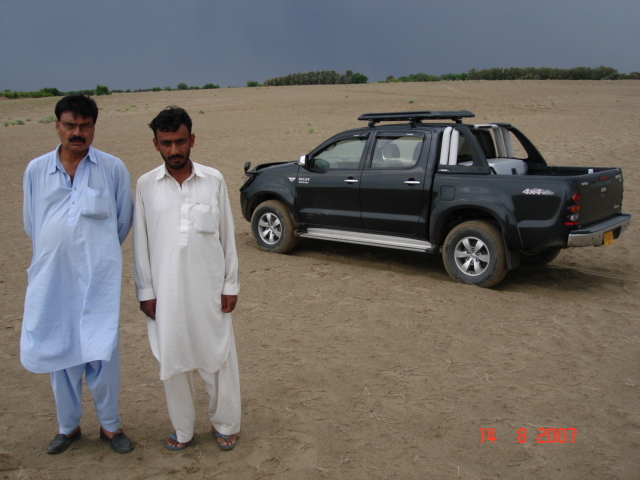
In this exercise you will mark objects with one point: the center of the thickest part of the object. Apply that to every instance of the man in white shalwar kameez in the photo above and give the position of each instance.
(186, 274)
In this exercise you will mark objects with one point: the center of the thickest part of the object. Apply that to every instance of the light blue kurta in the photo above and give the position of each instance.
(72, 304)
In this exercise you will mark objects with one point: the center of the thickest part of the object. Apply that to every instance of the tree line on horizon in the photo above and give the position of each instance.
(546, 73)
(99, 90)
(325, 77)
(527, 73)
(330, 77)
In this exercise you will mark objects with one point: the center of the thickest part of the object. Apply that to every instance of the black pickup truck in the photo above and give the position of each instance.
(481, 194)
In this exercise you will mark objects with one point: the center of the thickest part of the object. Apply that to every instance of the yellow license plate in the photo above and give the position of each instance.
(608, 238)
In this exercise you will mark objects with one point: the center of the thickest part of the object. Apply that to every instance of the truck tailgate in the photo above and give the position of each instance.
(600, 195)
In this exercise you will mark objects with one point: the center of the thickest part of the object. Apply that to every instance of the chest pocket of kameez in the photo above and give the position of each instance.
(205, 218)
(95, 204)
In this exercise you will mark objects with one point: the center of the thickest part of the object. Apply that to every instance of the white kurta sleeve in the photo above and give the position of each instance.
(228, 242)
(141, 260)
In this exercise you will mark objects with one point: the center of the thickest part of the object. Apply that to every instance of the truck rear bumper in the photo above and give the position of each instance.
(593, 236)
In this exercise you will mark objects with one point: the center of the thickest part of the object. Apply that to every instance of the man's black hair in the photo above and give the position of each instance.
(170, 119)
(78, 105)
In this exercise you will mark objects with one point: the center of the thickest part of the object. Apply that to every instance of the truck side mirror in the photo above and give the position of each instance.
(304, 160)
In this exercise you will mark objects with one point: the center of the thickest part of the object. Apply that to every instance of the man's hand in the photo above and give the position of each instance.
(148, 307)
(228, 303)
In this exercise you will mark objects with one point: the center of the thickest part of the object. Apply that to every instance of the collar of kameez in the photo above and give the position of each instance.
(197, 170)
(57, 164)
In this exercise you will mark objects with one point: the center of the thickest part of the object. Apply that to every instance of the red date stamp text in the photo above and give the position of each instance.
(543, 435)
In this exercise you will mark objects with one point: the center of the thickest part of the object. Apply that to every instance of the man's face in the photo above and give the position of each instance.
(175, 147)
(76, 133)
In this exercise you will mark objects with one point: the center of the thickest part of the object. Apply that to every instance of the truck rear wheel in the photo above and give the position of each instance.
(273, 228)
(539, 257)
(474, 254)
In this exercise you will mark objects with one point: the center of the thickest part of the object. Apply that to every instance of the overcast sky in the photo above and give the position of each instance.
(134, 44)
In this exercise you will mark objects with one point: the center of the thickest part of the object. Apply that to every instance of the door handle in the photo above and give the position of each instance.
(351, 180)
(412, 182)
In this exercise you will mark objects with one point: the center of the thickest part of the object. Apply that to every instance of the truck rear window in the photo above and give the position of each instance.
(396, 152)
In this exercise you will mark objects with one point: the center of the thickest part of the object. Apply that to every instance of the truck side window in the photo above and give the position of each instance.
(396, 152)
(343, 154)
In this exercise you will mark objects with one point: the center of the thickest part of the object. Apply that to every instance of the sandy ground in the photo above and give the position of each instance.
(363, 363)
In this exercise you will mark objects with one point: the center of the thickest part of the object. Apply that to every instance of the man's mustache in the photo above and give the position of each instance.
(77, 139)
(176, 156)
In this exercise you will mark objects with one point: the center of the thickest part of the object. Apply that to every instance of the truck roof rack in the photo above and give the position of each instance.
(415, 117)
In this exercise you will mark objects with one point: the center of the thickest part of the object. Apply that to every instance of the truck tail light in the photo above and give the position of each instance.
(573, 210)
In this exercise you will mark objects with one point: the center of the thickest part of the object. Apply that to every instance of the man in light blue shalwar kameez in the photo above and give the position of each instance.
(77, 211)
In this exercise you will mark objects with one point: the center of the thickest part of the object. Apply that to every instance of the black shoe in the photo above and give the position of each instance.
(119, 442)
(61, 441)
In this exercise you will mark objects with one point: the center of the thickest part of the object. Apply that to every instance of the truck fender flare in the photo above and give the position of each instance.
(275, 191)
(488, 207)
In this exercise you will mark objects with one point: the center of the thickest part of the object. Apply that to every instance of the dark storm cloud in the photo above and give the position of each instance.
(72, 44)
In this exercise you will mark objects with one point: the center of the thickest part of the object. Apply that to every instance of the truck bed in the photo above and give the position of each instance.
(564, 171)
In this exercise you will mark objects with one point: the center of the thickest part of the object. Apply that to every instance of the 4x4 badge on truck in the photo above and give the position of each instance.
(537, 191)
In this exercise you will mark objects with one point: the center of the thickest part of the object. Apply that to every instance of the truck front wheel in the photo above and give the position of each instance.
(273, 228)
(474, 254)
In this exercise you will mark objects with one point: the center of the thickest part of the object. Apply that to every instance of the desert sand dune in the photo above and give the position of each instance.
(363, 363)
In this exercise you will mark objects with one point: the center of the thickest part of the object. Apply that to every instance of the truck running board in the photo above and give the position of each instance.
(371, 239)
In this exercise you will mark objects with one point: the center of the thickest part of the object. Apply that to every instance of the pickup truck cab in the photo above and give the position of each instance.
(480, 194)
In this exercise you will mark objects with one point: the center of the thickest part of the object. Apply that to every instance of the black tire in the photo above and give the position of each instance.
(273, 228)
(539, 257)
(474, 254)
